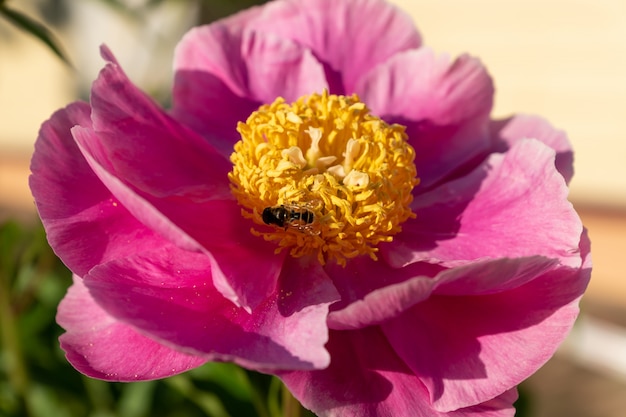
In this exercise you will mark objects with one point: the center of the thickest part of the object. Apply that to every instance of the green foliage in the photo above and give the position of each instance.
(33, 27)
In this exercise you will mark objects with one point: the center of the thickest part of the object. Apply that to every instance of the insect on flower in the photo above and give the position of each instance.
(297, 216)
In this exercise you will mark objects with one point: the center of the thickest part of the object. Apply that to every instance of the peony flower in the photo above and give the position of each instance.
(328, 201)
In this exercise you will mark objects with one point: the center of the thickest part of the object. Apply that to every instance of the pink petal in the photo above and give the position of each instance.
(85, 223)
(152, 153)
(245, 268)
(513, 205)
(419, 85)
(168, 294)
(366, 304)
(508, 132)
(139, 207)
(493, 276)
(367, 379)
(445, 106)
(101, 347)
(500, 406)
(372, 292)
(214, 227)
(223, 73)
(350, 37)
(468, 349)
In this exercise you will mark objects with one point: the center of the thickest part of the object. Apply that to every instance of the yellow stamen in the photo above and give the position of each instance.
(323, 176)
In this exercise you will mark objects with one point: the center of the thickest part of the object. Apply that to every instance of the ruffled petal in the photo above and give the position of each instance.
(245, 268)
(84, 223)
(101, 347)
(509, 131)
(469, 349)
(500, 406)
(373, 293)
(444, 105)
(168, 294)
(350, 37)
(367, 379)
(513, 205)
(150, 152)
(492, 276)
(139, 207)
(224, 72)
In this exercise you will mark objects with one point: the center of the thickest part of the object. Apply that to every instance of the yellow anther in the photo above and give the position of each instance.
(323, 177)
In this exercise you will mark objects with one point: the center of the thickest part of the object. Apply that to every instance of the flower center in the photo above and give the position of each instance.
(323, 176)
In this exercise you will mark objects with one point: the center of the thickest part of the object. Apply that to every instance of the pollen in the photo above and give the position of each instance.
(323, 176)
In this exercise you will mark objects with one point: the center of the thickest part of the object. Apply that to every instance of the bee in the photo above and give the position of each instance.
(296, 216)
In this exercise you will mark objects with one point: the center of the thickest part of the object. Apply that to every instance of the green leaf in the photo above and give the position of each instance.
(230, 377)
(208, 402)
(136, 399)
(35, 28)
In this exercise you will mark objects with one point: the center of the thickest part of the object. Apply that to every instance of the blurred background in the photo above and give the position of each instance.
(562, 59)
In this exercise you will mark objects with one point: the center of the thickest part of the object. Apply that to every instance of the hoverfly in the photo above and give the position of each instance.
(299, 217)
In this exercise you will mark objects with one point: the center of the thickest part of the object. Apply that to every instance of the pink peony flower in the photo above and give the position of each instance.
(393, 252)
